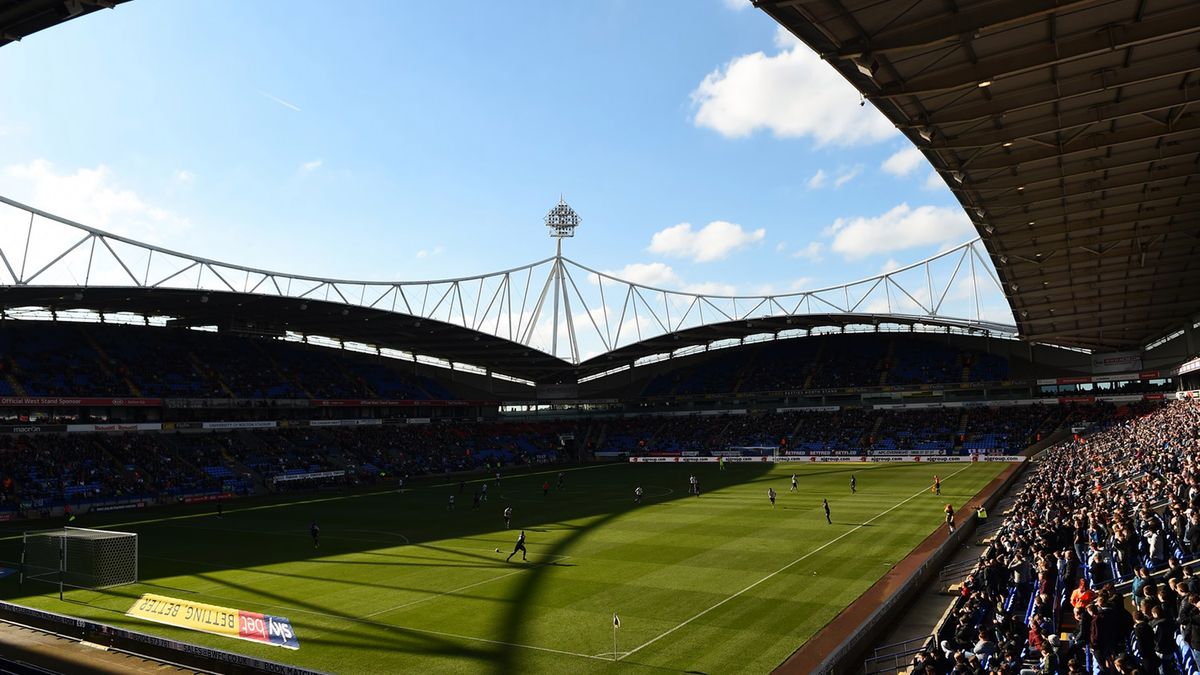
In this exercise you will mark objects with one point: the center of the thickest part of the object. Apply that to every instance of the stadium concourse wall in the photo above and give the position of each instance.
(175, 652)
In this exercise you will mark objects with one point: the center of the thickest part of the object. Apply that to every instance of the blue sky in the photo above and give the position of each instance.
(410, 140)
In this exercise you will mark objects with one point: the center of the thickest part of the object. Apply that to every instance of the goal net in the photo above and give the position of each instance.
(81, 558)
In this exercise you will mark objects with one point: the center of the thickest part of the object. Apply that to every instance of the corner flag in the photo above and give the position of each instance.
(616, 626)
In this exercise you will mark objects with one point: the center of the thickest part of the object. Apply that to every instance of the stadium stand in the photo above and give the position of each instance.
(1091, 570)
(831, 362)
(41, 471)
(65, 359)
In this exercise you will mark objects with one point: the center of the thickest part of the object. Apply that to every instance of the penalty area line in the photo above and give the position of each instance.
(784, 568)
(452, 591)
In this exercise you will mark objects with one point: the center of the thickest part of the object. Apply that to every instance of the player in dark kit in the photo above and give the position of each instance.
(507, 517)
(637, 495)
(853, 484)
(771, 496)
(825, 503)
(519, 547)
(316, 534)
(562, 477)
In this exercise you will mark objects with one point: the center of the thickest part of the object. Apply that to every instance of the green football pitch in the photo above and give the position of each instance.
(400, 583)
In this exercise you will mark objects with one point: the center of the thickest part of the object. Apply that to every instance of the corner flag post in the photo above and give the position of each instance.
(616, 626)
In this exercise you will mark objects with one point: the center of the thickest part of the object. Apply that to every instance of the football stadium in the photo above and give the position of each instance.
(983, 459)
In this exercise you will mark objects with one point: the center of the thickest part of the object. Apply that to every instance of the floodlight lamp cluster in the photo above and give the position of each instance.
(562, 220)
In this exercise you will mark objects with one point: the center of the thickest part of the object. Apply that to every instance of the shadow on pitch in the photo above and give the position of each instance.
(269, 537)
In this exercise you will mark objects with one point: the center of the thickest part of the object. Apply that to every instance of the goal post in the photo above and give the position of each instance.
(77, 557)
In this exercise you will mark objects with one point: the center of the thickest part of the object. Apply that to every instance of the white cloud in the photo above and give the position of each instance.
(891, 265)
(800, 284)
(812, 252)
(793, 94)
(847, 176)
(737, 5)
(311, 166)
(94, 197)
(903, 162)
(659, 275)
(711, 242)
(818, 180)
(934, 182)
(710, 288)
(91, 197)
(900, 228)
(430, 252)
(184, 177)
(781, 247)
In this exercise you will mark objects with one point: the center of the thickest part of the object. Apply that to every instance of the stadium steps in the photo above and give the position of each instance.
(210, 373)
(17, 387)
(746, 370)
(105, 359)
(356, 379)
(584, 444)
(874, 432)
(283, 377)
(168, 447)
(886, 366)
(815, 365)
(247, 441)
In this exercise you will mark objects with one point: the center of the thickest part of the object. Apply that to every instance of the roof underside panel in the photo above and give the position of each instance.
(1068, 130)
(19, 18)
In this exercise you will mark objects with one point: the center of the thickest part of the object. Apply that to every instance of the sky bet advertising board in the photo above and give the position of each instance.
(234, 623)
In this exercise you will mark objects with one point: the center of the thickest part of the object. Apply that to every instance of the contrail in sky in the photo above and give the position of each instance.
(281, 101)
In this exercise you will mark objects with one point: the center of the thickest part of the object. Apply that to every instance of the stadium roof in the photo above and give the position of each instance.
(19, 18)
(272, 315)
(1068, 130)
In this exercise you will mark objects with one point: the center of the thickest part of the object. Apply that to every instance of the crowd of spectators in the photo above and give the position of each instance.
(42, 471)
(55, 469)
(51, 470)
(76, 359)
(829, 362)
(1087, 573)
(849, 430)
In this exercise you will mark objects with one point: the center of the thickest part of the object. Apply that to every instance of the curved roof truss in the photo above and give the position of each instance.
(557, 306)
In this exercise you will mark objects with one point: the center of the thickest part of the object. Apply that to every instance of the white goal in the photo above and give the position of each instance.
(80, 558)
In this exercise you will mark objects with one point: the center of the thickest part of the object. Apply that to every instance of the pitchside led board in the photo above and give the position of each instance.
(234, 623)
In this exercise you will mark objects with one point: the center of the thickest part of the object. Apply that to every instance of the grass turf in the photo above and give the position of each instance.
(718, 583)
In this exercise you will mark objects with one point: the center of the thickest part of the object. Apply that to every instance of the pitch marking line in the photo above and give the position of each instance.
(435, 596)
(518, 476)
(784, 568)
